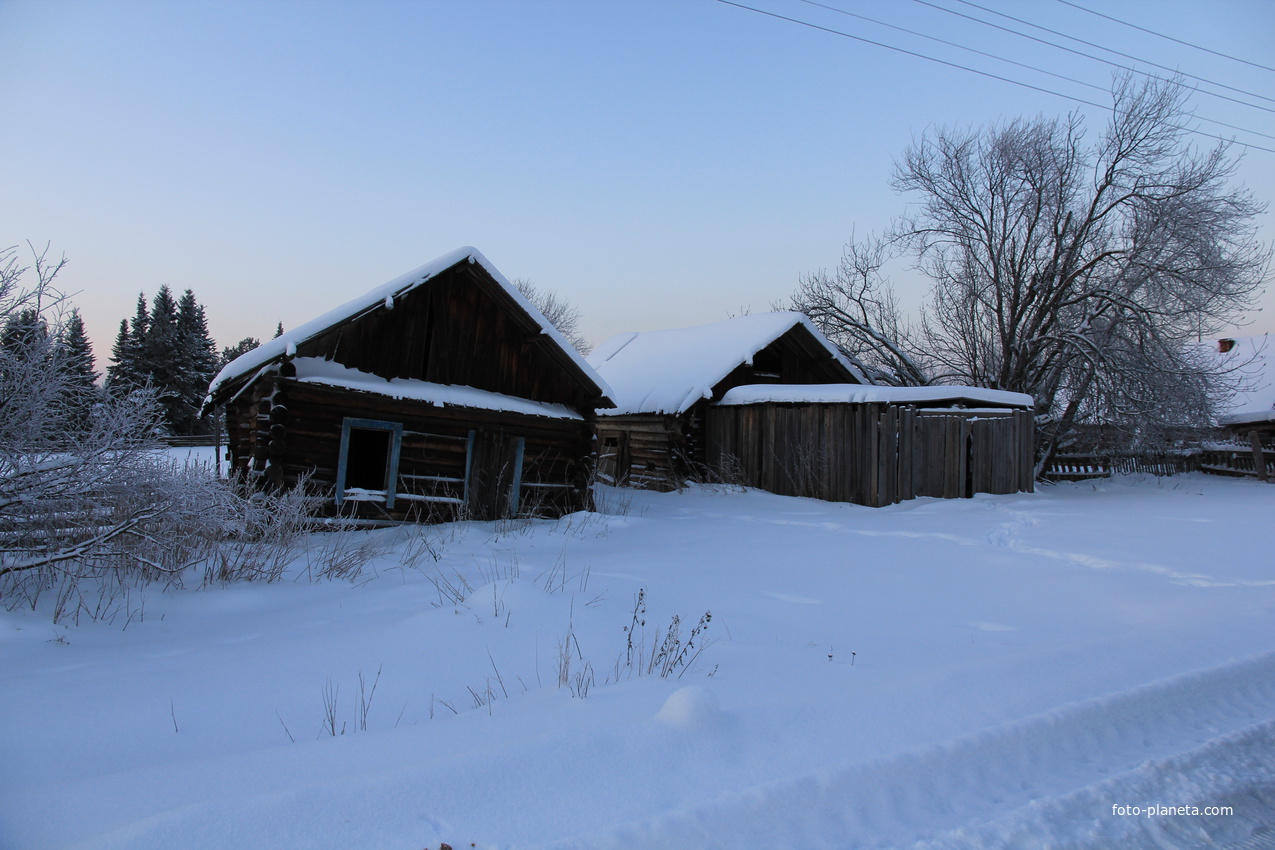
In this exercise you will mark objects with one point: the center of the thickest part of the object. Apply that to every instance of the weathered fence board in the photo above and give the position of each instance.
(872, 453)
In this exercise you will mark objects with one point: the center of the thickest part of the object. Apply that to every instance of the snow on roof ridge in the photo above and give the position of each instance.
(667, 371)
(631, 335)
(378, 298)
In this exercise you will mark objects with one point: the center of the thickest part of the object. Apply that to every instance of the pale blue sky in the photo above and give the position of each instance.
(658, 162)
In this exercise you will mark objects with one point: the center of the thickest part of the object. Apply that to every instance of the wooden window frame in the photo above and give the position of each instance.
(395, 430)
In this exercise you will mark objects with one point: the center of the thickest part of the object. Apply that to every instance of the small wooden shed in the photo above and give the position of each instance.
(873, 445)
(664, 381)
(442, 394)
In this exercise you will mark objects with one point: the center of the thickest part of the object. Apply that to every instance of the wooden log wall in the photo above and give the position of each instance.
(305, 441)
(872, 454)
(248, 428)
(643, 450)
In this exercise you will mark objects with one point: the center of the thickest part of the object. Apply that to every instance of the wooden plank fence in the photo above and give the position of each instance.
(872, 454)
(1235, 462)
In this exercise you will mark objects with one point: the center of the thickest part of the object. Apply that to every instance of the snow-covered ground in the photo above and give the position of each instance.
(1004, 671)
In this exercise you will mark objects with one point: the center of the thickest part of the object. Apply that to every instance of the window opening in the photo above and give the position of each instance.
(367, 459)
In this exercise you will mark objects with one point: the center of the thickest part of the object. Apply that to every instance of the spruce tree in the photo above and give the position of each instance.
(120, 378)
(167, 348)
(28, 363)
(25, 335)
(137, 340)
(161, 359)
(128, 371)
(197, 360)
(78, 351)
(75, 359)
(240, 348)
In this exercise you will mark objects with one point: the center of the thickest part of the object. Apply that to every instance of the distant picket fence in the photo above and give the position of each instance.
(1083, 467)
(1217, 461)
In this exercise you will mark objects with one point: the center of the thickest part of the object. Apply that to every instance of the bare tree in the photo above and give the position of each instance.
(560, 312)
(1080, 273)
(856, 309)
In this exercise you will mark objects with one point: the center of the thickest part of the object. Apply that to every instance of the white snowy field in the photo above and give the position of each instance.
(1004, 671)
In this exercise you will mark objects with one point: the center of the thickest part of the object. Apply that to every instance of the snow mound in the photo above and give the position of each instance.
(691, 708)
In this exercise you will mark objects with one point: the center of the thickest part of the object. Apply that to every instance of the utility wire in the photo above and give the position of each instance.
(1075, 52)
(988, 74)
(1118, 53)
(1168, 37)
(949, 43)
(993, 56)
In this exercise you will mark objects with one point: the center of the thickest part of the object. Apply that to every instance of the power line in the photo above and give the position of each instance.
(993, 56)
(950, 43)
(1075, 52)
(903, 50)
(1125, 55)
(988, 74)
(1168, 37)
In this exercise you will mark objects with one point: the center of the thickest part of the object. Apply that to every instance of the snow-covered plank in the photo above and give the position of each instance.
(860, 394)
(313, 370)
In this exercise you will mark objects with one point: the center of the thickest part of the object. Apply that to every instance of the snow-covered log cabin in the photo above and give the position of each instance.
(874, 445)
(664, 381)
(442, 394)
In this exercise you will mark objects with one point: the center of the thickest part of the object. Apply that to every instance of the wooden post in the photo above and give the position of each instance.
(217, 438)
(1259, 459)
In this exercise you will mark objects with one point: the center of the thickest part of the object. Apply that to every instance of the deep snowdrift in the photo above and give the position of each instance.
(1001, 671)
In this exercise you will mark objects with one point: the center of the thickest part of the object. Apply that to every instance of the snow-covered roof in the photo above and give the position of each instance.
(668, 371)
(1254, 358)
(859, 394)
(315, 370)
(383, 297)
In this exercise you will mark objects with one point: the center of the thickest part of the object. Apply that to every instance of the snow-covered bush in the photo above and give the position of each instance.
(81, 491)
(91, 509)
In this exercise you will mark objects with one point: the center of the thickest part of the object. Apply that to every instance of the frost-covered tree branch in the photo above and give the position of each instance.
(855, 307)
(560, 312)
